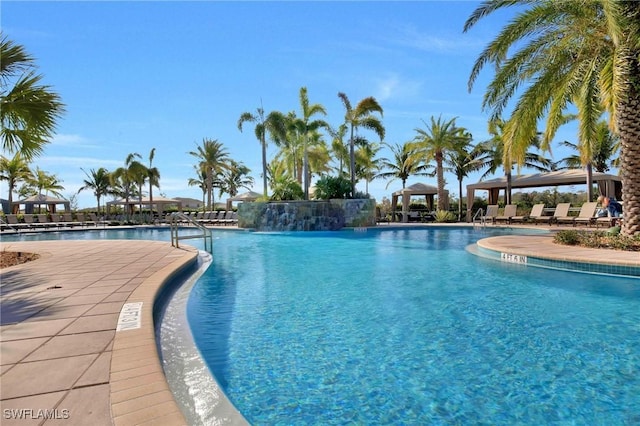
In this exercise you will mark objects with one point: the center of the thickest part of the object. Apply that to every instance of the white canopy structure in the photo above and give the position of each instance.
(40, 200)
(610, 185)
(417, 189)
(247, 196)
(160, 202)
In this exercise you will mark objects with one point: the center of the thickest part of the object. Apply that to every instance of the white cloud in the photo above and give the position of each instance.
(84, 162)
(412, 37)
(394, 87)
(72, 140)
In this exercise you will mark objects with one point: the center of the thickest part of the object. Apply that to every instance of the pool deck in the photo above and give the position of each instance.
(60, 353)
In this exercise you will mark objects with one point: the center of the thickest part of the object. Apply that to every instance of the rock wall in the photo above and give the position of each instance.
(306, 215)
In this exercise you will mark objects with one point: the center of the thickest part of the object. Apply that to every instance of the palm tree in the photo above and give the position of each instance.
(367, 165)
(603, 150)
(493, 154)
(568, 52)
(274, 123)
(234, 178)
(361, 116)
(306, 127)
(14, 170)
(461, 162)
(433, 142)
(405, 163)
(153, 175)
(29, 109)
(339, 148)
(127, 177)
(47, 183)
(98, 181)
(213, 158)
(200, 181)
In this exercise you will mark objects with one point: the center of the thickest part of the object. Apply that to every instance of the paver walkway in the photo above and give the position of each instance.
(61, 360)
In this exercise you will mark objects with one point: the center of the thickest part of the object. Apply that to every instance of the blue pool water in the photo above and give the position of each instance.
(406, 327)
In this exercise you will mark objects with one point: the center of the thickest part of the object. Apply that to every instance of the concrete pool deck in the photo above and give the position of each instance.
(62, 360)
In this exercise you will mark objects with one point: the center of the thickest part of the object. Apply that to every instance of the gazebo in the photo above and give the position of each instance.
(247, 196)
(610, 185)
(40, 200)
(417, 189)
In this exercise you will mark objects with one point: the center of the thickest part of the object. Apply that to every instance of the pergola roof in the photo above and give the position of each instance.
(610, 185)
(41, 199)
(246, 196)
(416, 189)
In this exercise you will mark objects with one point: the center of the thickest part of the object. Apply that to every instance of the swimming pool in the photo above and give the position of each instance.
(404, 326)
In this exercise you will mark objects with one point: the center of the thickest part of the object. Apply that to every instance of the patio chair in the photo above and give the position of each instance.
(14, 223)
(587, 214)
(561, 214)
(509, 212)
(534, 214)
(43, 221)
(491, 213)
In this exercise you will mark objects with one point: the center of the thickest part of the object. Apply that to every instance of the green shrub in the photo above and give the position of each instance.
(598, 239)
(568, 238)
(330, 187)
(444, 216)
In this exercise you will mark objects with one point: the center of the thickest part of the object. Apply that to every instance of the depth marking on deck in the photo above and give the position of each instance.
(513, 258)
(130, 317)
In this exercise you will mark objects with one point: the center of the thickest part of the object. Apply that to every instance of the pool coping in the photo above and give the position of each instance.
(133, 380)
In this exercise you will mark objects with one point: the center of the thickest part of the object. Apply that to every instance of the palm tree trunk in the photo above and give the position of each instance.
(440, 174)
(460, 200)
(352, 161)
(264, 167)
(628, 121)
(507, 194)
(305, 168)
(589, 182)
(209, 188)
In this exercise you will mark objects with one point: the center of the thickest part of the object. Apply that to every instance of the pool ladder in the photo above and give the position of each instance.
(481, 219)
(177, 219)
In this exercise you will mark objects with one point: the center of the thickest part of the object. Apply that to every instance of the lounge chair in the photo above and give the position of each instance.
(587, 214)
(14, 223)
(561, 214)
(43, 221)
(28, 220)
(56, 220)
(491, 213)
(509, 212)
(227, 219)
(533, 216)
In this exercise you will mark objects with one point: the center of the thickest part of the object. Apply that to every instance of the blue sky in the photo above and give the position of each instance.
(141, 75)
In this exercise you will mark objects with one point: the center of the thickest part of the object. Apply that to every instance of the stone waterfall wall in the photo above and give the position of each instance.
(306, 215)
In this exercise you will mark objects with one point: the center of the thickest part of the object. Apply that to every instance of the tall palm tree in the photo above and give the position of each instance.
(274, 124)
(44, 182)
(14, 170)
(367, 165)
(493, 154)
(127, 177)
(153, 175)
(235, 178)
(213, 158)
(339, 148)
(560, 52)
(306, 126)
(361, 116)
(603, 150)
(404, 164)
(200, 181)
(98, 181)
(29, 109)
(461, 162)
(433, 142)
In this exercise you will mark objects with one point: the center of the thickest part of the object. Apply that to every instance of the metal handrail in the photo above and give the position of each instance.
(177, 218)
(482, 217)
(8, 225)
